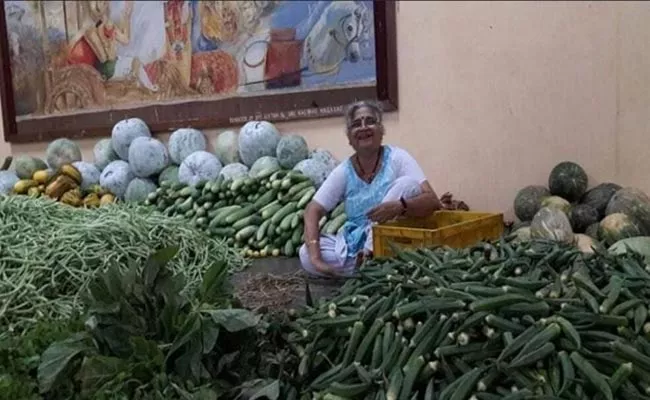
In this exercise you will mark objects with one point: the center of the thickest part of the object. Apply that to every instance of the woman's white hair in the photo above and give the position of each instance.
(354, 107)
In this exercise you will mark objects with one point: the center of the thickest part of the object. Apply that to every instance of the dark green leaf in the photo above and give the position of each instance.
(213, 281)
(130, 277)
(96, 371)
(156, 262)
(233, 319)
(189, 364)
(57, 357)
(167, 322)
(226, 360)
(169, 288)
(263, 389)
(97, 291)
(206, 393)
(104, 308)
(209, 334)
(189, 330)
(113, 281)
(116, 337)
(146, 350)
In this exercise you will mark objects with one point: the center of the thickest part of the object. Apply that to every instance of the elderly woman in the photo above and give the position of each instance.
(378, 183)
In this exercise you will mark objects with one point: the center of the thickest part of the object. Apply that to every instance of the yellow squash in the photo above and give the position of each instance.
(42, 176)
(71, 197)
(72, 172)
(23, 185)
(60, 185)
(33, 191)
(91, 200)
(97, 189)
(107, 199)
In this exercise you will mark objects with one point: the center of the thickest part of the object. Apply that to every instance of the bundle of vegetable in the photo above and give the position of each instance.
(531, 320)
(72, 184)
(48, 252)
(144, 339)
(260, 214)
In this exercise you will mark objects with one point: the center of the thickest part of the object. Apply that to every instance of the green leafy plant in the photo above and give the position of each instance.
(143, 338)
(20, 356)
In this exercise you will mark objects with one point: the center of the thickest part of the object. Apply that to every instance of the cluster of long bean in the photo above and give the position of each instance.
(49, 252)
(499, 321)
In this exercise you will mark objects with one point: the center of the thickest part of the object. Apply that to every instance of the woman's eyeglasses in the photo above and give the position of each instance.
(363, 121)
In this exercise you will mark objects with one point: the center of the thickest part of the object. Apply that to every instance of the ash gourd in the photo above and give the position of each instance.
(184, 142)
(131, 152)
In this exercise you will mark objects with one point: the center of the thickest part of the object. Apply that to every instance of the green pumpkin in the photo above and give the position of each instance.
(568, 180)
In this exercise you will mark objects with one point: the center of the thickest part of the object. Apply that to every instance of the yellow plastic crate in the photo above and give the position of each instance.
(451, 228)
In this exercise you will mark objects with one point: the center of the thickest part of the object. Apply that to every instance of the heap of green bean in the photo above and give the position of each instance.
(535, 320)
(49, 251)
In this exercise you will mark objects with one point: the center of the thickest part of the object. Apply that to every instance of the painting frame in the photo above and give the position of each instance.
(211, 114)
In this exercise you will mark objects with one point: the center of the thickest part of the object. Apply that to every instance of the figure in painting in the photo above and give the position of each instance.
(97, 46)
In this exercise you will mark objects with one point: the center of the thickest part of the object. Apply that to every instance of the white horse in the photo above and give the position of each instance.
(332, 34)
(335, 37)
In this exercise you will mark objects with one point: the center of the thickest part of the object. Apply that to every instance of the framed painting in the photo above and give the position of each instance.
(74, 68)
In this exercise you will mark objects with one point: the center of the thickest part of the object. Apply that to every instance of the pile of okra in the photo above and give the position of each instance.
(502, 320)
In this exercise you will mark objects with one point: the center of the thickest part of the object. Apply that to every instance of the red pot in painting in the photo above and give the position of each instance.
(82, 53)
(282, 67)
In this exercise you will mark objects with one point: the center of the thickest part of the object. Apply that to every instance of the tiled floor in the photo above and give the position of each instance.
(282, 266)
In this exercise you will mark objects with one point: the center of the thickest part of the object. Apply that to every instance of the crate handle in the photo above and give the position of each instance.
(401, 240)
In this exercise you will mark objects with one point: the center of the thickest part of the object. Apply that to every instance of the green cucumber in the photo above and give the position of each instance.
(261, 231)
(278, 175)
(270, 231)
(286, 209)
(239, 214)
(296, 190)
(271, 211)
(335, 224)
(237, 184)
(306, 197)
(186, 191)
(289, 249)
(244, 222)
(338, 210)
(297, 218)
(245, 233)
(222, 232)
(296, 237)
(267, 172)
(265, 199)
(220, 218)
(186, 205)
(285, 224)
(322, 222)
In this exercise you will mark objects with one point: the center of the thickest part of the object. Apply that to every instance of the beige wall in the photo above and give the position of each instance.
(493, 94)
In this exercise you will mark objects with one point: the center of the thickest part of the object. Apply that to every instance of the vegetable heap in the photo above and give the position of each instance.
(65, 186)
(49, 252)
(262, 216)
(506, 320)
(567, 211)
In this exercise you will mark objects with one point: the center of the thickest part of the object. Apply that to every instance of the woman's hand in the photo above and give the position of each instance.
(385, 212)
(324, 268)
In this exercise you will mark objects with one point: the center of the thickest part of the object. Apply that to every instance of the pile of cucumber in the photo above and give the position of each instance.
(262, 216)
(504, 320)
